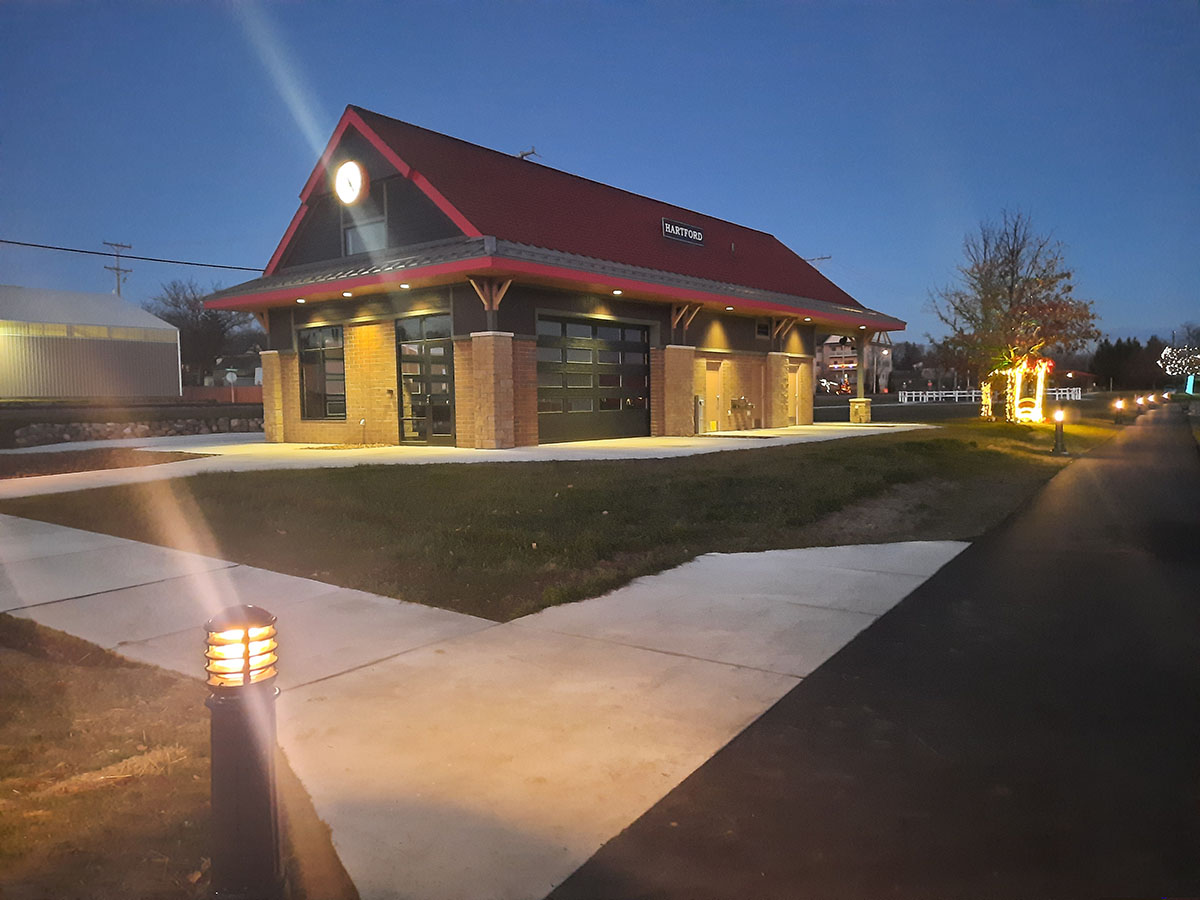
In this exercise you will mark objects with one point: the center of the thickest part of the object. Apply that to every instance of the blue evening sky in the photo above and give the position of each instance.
(878, 133)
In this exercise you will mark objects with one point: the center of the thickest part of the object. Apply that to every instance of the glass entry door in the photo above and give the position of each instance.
(425, 366)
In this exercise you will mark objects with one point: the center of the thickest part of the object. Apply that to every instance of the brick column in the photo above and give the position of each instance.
(492, 365)
(804, 388)
(860, 411)
(775, 403)
(272, 386)
(658, 413)
(679, 403)
(525, 397)
(464, 394)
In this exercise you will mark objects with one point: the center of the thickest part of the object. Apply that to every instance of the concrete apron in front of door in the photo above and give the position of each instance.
(453, 757)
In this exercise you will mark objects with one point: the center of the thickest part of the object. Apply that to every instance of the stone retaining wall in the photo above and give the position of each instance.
(47, 433)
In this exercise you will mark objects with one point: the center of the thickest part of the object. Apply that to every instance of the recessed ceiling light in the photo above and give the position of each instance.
(862, 327)
(617, 293)
(404, 287)
(729, 309)
(299, 299)
(808, 318)
(347, 294)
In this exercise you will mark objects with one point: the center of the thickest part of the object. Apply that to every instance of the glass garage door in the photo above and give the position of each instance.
(593, 379)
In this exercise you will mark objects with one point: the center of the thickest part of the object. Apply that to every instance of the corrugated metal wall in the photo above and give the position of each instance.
(68, 367)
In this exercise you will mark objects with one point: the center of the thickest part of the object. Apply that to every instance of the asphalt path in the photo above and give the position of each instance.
(1025, 724)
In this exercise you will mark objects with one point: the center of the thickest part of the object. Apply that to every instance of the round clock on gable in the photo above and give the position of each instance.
(350, 182)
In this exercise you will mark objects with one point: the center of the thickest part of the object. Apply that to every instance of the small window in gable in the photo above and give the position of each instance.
(364, 225)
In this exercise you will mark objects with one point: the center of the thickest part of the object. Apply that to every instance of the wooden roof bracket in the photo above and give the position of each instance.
(678, 313)
(780, 326)
(491, 291)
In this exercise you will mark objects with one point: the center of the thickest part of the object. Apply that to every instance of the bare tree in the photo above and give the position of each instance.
(203, 333)
(1013, 298)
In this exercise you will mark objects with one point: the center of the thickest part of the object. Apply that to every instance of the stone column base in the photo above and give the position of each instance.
(860, 411)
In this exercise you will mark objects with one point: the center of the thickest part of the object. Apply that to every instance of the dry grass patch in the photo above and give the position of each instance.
(104, 779)
(58, 462)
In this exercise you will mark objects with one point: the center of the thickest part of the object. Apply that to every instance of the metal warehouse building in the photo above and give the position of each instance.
(58, 345)
(429, 290)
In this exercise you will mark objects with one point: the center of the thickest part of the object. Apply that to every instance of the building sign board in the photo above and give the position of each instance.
(678, 231)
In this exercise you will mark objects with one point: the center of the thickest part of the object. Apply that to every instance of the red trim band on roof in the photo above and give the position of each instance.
(503, 265)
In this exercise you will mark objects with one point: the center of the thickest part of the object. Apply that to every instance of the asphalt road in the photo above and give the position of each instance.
(1025, 724)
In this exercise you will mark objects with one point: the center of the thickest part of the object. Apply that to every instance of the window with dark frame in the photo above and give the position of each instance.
(322, 373)
(364, 225)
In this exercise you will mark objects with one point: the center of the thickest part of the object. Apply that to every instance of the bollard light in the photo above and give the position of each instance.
(244, 652)
(240, 660)
(1060, 448)
(1119, 415)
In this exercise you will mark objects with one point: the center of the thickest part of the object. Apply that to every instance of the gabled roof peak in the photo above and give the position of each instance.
(488, 192)
(511, 158)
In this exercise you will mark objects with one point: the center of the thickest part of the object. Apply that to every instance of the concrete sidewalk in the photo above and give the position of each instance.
(1025, 724)
(251, 452)
(454, 757)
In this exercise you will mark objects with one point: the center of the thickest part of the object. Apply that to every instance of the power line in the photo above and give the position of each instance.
(119, 256)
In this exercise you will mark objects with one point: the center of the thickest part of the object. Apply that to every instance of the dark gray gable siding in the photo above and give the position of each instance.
(412, 217)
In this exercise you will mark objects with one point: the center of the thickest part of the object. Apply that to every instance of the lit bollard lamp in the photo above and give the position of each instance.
(1118, 412)
(240, 662)
(1060, 448)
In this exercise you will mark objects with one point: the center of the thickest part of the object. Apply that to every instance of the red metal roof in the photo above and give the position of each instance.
(525, 202)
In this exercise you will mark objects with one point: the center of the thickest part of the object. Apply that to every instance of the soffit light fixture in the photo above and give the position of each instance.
(299, 299)
(618, 292)
(404, 286)
(808, 318)
(347, 293)
(729, 309)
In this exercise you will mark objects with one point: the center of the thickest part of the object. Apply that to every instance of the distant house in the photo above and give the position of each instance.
(58, 345)
(837, 361)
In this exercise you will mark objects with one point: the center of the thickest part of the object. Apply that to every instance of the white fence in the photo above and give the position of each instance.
(940, 396)
(973, 396)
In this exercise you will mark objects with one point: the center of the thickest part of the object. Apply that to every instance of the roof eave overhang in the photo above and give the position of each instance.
(490, 257)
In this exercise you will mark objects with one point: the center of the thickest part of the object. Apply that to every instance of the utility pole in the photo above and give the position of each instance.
(117, 270)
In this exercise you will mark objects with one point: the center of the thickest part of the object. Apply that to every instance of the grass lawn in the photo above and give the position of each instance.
(104, 763)
(23, 465)
(104, 780)
(503, 540)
